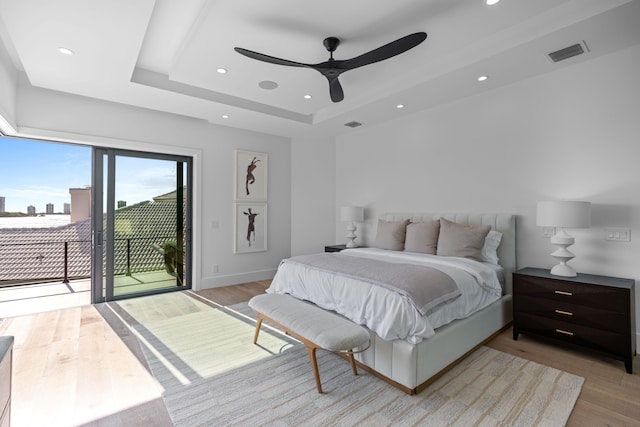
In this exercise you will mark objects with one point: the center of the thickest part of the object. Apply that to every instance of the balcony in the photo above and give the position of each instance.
(42, 276)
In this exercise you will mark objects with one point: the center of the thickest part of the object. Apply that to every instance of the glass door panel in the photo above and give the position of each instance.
(145, 219)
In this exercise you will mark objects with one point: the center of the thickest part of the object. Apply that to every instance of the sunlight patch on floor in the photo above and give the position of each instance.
(194, 340)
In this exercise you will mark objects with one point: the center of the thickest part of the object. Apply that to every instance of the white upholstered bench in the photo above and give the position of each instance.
(311, 325)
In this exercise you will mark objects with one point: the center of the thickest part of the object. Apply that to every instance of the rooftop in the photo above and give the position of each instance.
(28, 254)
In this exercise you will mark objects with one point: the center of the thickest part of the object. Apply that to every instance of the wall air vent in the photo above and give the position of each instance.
(353, 124)
(568, 52)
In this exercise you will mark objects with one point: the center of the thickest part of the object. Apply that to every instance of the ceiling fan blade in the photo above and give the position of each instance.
(387, 51)
(266, 58)
(335, 90)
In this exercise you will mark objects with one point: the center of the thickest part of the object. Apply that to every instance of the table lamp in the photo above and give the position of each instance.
(563, 214)
(351, 214)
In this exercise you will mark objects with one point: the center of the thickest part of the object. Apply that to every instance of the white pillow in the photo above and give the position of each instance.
(489, 251)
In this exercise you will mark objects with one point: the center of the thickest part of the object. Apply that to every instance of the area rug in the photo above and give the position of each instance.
(488, 388)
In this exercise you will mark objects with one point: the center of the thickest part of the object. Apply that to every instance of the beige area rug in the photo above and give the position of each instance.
(275, 386)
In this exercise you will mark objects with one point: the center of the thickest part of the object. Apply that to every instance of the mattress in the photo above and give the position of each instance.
(384, 311)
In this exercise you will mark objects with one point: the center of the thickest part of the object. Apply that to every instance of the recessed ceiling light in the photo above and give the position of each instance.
(268, 85)
(491, 2)
(307, 97)
(482, 78)
(225, 116)
(65, 51)
(400, 106)
(221, 70)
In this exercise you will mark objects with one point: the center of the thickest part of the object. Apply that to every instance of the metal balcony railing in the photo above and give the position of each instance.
(33, 262)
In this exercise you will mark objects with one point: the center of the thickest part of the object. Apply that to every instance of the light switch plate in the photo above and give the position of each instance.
(548, 232)
(617, 234)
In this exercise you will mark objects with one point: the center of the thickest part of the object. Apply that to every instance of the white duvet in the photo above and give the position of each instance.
(387, 313)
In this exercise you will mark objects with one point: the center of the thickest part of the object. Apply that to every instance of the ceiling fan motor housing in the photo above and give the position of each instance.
(331, 43)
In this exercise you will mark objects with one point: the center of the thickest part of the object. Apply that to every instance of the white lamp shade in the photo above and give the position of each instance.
(564, 214)
(352, 213)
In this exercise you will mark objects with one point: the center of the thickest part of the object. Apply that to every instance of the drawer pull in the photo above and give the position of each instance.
(566, 313)
(560, 331)
(563, 293)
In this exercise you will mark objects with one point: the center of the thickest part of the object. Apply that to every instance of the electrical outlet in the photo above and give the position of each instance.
(214, 268)
(215, 225)
(548, 232)
(617, 234)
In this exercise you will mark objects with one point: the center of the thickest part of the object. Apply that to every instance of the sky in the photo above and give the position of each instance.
(36, 173)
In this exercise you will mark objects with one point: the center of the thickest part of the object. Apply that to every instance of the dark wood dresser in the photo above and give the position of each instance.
(587, 311)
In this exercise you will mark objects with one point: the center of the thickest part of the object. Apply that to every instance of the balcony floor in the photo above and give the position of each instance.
(37, 298)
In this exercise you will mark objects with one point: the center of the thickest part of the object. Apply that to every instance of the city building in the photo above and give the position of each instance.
(31, 210)
(49, 208)
(2, 204)
(67, 208)
(80, 203)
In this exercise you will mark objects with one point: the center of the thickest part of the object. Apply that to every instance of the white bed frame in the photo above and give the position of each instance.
(412, 367)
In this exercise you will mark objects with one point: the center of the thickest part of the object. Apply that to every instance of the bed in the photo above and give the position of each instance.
(412, 356)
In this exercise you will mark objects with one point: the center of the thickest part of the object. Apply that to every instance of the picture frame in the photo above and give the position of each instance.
(250, 227)
(251, 175)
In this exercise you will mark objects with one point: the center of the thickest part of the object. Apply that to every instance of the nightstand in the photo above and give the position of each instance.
(587, 311)
(335, 248)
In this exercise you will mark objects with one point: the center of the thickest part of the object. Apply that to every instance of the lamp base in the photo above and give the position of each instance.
(563, 255)
(564, 270)
(351, 235)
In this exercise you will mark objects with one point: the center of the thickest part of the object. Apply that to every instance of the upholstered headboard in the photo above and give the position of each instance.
(504, 223)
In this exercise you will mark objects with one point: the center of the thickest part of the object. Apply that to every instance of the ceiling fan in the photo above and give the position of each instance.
(332, 68)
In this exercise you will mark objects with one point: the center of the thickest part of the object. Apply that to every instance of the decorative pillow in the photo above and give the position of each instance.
(391, 234)
(489, 251)
(461, 240)
(422, 237)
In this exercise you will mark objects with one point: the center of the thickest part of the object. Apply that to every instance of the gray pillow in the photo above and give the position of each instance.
(422, 237)
(461, 240)
(391, 234)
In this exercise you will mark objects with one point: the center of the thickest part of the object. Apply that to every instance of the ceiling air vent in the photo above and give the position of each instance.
(568, 52)
(353, 124)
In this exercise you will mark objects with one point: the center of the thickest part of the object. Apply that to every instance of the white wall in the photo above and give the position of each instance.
(313, 194)
(8, 79)
(52, 114)
(573, 134)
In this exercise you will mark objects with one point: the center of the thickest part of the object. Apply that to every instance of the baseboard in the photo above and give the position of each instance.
(234, 279)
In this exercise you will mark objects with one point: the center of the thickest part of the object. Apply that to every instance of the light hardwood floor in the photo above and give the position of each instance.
(83, 366)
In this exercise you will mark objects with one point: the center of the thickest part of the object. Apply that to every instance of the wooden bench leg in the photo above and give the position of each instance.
(314, 366)
(309, 345)
(353, 362)
(258, 324)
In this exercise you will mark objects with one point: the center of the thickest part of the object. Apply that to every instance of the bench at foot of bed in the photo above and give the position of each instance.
(311, 325)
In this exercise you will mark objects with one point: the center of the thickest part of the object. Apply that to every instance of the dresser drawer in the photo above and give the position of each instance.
(613, 343)
(603, 297)
(561, 310)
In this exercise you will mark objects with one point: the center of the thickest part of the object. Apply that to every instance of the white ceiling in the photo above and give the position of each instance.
(163, 54)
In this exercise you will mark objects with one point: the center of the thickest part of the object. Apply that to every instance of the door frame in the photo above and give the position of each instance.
(98, 233)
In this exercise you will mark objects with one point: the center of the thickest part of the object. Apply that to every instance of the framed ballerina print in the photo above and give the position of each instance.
(251, 176)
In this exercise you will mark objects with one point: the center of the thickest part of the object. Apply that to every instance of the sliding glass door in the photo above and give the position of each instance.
(141, 224)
